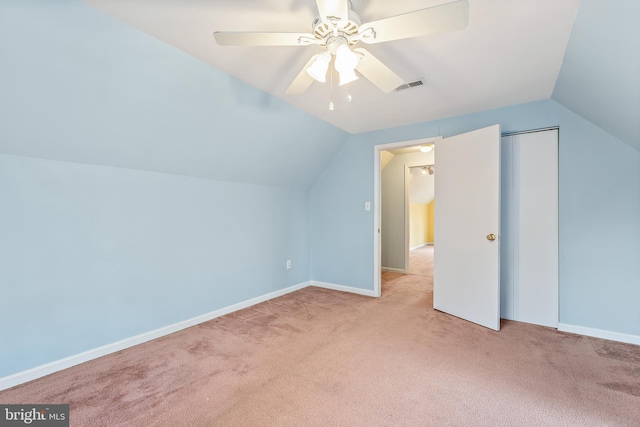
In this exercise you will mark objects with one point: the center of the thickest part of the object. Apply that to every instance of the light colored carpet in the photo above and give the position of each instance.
(318, 357)
(421, 261)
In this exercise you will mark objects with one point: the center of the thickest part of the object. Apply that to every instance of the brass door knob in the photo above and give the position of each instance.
(491, 237)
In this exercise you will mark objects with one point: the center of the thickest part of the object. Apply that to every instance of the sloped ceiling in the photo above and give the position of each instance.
(78, 85)
(421, 187)
(600, 75)
(510, 53)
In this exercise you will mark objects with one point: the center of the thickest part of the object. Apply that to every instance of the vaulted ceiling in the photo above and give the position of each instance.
(599, 76)
(78, 85)
(510, 53)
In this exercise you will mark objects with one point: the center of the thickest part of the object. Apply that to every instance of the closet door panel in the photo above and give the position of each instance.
(507, 229)
(535, 163)
(535, 234)
(529, 237)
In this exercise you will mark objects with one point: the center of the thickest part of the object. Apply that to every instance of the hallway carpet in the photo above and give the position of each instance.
(421, 261)
(320, 357)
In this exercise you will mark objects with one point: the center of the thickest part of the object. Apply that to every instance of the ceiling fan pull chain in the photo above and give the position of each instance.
(331, 107)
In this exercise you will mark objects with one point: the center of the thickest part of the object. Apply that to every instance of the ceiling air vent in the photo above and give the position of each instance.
(410, 85)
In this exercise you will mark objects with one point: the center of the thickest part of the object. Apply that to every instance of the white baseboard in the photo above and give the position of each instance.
(418, 247)
(393, 270)
(599, 333)
(360, 291)
(58, 365)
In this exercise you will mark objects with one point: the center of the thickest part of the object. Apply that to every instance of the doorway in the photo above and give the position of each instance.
(396, 220)
(407, 204)
(541, 162)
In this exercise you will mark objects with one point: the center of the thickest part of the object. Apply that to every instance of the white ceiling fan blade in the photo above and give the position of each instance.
(334, 11)
(302, 81)
(229, 38)
(376, 72)
(446, 17)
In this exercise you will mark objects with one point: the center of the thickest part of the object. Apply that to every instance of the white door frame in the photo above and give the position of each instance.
(377, 198)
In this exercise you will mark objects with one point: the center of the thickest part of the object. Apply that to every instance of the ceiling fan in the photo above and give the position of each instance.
(338, 29)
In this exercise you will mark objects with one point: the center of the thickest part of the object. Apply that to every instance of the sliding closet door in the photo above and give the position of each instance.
(529, 264)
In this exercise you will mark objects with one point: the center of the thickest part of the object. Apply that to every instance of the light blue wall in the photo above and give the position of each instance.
(90, 255)
(599, 228)
(93, 254)
(341, 231)
(599, 75)
(599, 212)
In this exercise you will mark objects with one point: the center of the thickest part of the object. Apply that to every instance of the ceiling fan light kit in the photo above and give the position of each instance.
(338, 28)
(347, 76)
(346, 62)
(319, 67)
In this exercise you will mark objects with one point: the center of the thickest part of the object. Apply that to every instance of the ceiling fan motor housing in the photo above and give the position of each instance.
(325, 32)
(333, 43)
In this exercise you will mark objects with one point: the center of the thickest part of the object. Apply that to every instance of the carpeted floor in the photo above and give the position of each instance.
(421, 261)
(318, 357)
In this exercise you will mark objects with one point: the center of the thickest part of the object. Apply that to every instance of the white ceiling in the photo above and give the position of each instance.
(510, 53)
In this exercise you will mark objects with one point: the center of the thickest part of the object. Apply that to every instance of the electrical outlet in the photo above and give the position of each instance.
(288, 264)
(367, 206)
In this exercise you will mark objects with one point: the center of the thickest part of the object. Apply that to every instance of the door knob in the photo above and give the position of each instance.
(491, 237)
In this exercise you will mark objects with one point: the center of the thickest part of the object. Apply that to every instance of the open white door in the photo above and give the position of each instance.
(466, 280)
